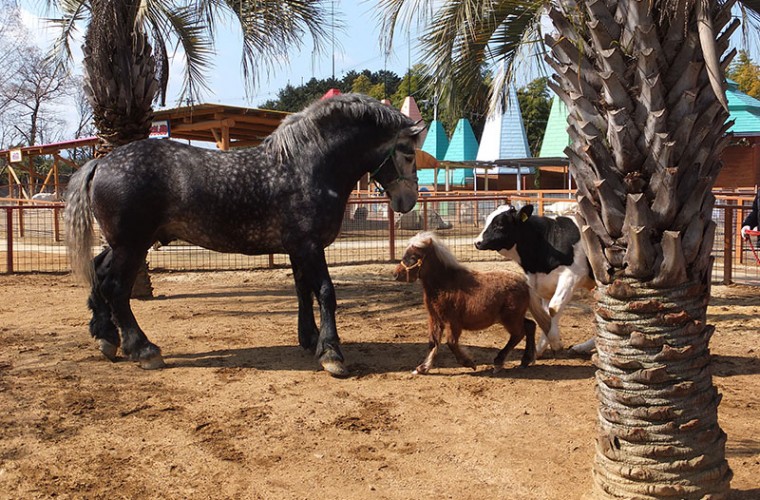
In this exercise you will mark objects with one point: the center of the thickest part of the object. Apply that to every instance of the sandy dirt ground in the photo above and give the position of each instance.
(242, 412)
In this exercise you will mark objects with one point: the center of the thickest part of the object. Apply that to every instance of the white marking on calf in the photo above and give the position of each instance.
(556, 289)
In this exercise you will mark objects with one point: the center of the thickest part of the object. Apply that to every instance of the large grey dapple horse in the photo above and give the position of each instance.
(287, 195)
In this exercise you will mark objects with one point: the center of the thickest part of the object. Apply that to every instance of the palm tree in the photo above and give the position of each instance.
(126, 54)
(127, 44)
(643, 83)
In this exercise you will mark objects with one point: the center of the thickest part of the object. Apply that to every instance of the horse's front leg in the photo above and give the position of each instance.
(308, 333)
(435, 331)
(314, 275)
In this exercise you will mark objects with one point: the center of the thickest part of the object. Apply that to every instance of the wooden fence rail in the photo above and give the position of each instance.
(32, 239)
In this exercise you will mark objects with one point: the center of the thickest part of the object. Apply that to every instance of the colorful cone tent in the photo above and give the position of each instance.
(410, 109)
(436, 143)
(463, 146)
(330, 93)
(744, 111)
(504, 135)
(556, 138)
(504, 138)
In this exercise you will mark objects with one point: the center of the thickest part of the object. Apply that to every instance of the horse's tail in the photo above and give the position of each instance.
(78, 220)
(539, 312)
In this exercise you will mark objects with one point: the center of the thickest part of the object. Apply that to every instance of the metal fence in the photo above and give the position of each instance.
(32, 236)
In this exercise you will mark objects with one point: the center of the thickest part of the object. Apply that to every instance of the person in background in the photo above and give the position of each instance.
(751, 220)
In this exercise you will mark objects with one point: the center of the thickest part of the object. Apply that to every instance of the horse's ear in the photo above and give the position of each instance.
(525, 212)
(415, 129)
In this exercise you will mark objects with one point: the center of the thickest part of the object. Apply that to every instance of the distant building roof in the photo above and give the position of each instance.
(463, 145)
(744, 110)
(436, 143)
(504, 133)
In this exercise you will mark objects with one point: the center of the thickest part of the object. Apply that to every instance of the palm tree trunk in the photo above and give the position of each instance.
(647, 126)
(658, 434)
(120, 84)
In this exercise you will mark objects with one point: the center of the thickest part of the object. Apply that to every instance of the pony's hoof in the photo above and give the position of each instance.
(153, 363)
(108, 349)
(421, 370)
(335, 367)
(497, 369)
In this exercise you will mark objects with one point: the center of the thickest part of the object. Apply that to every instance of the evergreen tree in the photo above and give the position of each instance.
(746, 74)
(535, 106)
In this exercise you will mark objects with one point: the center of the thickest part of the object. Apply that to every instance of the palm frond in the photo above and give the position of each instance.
(272, 29)
(189, 31)
(465, 37)
(73, 12)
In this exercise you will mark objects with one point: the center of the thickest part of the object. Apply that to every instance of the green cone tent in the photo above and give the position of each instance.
(436, 143)
(463, 147)
(556, 138)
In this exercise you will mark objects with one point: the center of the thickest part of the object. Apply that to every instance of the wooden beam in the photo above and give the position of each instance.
(206, 125)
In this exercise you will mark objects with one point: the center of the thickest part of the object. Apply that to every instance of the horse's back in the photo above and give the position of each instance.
(164, 190)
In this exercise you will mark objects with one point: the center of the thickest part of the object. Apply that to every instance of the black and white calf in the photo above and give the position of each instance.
(550, 252)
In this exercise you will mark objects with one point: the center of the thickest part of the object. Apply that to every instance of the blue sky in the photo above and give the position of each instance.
(357, 47)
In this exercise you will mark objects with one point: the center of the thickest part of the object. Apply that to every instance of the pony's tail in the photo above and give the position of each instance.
(539, 312)
(78, 221)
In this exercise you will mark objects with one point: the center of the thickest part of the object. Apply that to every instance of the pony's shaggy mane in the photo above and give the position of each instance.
(304, 127)
(429, 239)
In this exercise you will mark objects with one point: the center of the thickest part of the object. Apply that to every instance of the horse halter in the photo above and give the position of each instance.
(399, 174)
(413, 266)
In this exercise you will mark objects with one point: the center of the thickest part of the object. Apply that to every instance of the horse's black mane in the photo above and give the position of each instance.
(302, 127)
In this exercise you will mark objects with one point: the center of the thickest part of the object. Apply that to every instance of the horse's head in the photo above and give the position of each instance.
(408, 269)
(397, 173)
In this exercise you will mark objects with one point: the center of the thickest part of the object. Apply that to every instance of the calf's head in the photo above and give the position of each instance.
(503, 227)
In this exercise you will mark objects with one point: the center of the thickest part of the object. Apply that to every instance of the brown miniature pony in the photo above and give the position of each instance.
(469, 300)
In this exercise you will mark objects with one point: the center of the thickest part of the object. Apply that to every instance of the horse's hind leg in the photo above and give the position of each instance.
(452, 341)
(518, 328)
(116, 288)
(529, 355)
(102, 327)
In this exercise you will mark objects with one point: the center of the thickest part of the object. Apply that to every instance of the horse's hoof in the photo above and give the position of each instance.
(335, 367)
(153, 363)
(108, 349)
(497, 369)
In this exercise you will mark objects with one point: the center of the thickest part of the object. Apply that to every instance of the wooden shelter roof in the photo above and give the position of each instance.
(227, 126)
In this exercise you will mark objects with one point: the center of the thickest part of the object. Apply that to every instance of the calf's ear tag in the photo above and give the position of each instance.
(523, 217)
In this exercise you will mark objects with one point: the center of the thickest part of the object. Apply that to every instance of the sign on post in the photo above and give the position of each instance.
(160, 129)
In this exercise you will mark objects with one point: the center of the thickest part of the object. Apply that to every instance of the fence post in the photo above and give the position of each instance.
(56, 225)
(391, 232)
(728, 244)
(424, 215)
(9, 240)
